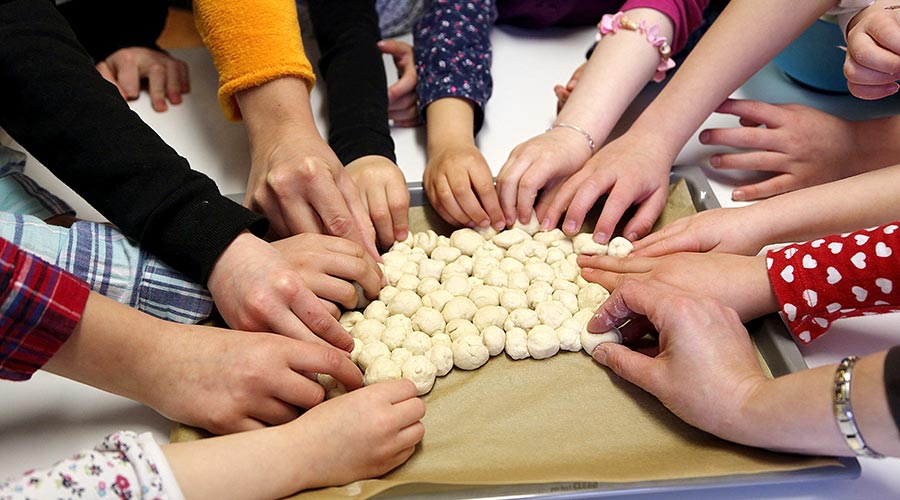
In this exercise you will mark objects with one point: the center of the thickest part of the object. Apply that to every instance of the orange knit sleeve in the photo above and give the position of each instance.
(252, 42)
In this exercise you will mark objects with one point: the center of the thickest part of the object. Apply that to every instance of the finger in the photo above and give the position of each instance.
(364, 225)
(771, 161)
(508, 185)
(332, 309)
(876, 48)
(295, 218)
(184, 76)
(483, 183)
(275, 412)
(620, 199)
(333, 289)
(396, 391)
(756, 111)
(411, 435)
(107, 73)
(156, 86)
(766, 189)
(615, 264)
(647, 213)
(873, 92)
(377, 204)
(173, 82)
(637, 368)
(129, 78)
(316, 358)
(463, 188)
(242, 425)
(405, 103)
(861, 74)
(320, 322)
(300, 391)
(448, 203)
(398, 204)
(767, 139)
(558, 203)
(532, 182)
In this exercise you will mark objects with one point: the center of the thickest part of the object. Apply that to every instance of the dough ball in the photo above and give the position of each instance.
(591, 340)
(427, 285)
(430, 268)
(489, 249)
(407, 302)
(437, 299)
(441, 338)
(482, 265)
(516, 343)
(393, 336)
(486, 232)
(533, 226)
(400, 355)
(460, 327)
(568, 299)
(417, 342)
(388, 293)
(542, 342)
(361, 299)
(554, 255)
(426, 240)
(350, 318)
(509, 265)
(485, 295)
(583, 316)
(565, 245)
(466, 262)
(466, 240)
(510, 237)
(566, 270)
(428, 320)
(398, 319)
(394, 259)
(548, 237)
(512, 299)
(540, 271)
(538, 291)
(452, 269)
(421, 371)
(620, 247)
(370, 352)
(528, 251)
(494, 339)
(591, 296)
(457, 285)
(357, 348)
(442, 357)
(489, 316)
(561, 284)
(336, 391)
(473, 282)
(380, 370)
(327, 381)
(569, 334)
(459, 308)
(518, 280)
(523, 318)
(496, 277)
(377, 310)
(408, 282)
(469, 352)
(583, 243)
(552, 313)
(368, 330)
(445, 255)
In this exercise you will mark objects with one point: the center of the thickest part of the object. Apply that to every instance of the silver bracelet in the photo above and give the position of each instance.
(843, 412)
(585, 133)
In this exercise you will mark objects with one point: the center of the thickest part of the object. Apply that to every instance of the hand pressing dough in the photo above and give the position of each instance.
(542, 342)
(494, 339)
(516, 343)
(531, 227)
(469, 352)
(620, 247)
(381, 370)
(421, 371)
(591, 340)
(583, 243)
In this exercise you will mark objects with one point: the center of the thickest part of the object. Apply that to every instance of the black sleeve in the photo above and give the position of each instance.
(892, 382)
(105, 26)
(59, 108)
(355, 81)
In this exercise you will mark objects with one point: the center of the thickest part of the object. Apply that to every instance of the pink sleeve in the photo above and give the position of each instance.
(839, 276)
(686, 15)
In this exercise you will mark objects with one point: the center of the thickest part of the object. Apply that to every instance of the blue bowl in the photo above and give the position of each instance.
(814, 59)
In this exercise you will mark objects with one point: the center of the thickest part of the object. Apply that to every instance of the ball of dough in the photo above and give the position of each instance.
(568, 299)
(512, 299)
(485, 295)
(591, 296)
(460, 327)
(393, 336)
(509, 265)
(428, 320)
(490, 250)
(394, 259)
(619, 247)
(380, 370)
(457, 285)
(398, 319)
(566, 270)
(445, 255)
(565, 245)
(377, 310)
(494, 339)
(538, 291)
(400, 355)
(421, 371)
(489, 316)
(427, 285)
(441, 338)
(407, 282)
(542, 342)
(569, 334)
(336, 391)
(510, 237)
(525, 319)
(555, 255)
(370, 352)
(459, 307)
(406, 302)
(452, 269)
(469, 352)
(466, 240)
(430, 268)
(518, 280)
(589, 340)
(533, 226)
(552, 313)
(388, 293)
(561, 284)
(496, 277)
(473, 281)
(583, 243)
(482, 265)
(426, 240)
(486, 232)
(548, 237)
(528, 251)
(437, 299)
(516, 343)
(442, 357)
(417, 342)
(466, 262)
(357, 348)
(540, 271)
(368, 330)
(350, 318)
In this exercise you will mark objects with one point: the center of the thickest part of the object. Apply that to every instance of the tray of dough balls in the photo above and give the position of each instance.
(490, 328)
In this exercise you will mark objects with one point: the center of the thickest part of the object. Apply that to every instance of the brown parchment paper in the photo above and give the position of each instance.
(565, 419)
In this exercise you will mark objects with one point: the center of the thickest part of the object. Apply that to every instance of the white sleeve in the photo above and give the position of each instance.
(124, 465)
(844, 10)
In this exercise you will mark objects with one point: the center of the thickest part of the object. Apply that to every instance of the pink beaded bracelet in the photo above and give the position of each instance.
(610, 23)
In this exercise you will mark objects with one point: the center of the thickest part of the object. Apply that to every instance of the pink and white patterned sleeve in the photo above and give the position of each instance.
(840, 276)
(125, 466)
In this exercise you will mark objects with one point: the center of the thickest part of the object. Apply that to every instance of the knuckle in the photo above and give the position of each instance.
(339, 225)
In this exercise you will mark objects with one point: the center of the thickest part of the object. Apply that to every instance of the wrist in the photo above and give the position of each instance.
(450, 123)
(275, 105)
(571, 131)
(231, 258)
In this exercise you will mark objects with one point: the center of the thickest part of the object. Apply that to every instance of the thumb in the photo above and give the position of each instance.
(632, 366)
(389, 46)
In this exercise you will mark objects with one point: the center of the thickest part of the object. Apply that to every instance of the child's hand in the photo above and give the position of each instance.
(538, 163)
(330, 266)
(460, 186)
(632, 171)
(359, 435)
(784, 147)
(403, 105)
(716, 230)
(385, 194)
(563, 93)
(872, 65)
(166, 76)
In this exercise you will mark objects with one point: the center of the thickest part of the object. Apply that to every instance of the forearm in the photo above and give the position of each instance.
(795, 413)
(727, 55)
(449, 123)
(277, 108)
(619, 68)
(836, 207)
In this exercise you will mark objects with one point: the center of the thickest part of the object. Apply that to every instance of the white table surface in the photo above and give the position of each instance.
(49, 417)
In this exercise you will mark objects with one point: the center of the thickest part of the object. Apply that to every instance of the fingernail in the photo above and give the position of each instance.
(715, 161)
(499, 225)
(601, 238)
(600, 354)
(402, 235)
(569, 226)
(704, 136)
(545, 225)
(632, 236)
(738, 195)
(484, 223)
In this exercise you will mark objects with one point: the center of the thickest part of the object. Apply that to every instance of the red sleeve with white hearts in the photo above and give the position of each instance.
(839, 276)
